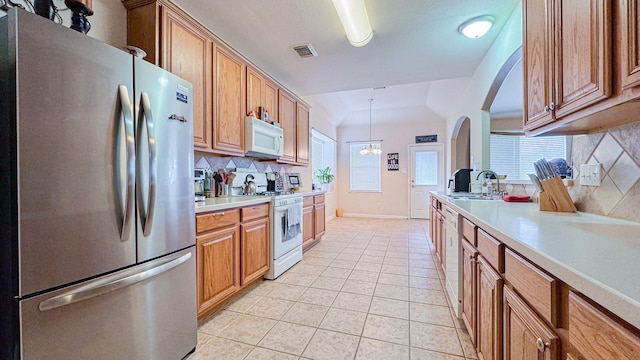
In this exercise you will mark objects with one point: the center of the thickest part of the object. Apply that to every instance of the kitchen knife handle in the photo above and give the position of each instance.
(127, 115)
(147, 114)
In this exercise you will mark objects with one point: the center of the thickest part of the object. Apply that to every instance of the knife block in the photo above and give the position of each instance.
(555, 197)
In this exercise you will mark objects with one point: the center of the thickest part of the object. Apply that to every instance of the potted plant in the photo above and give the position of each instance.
(325, 176)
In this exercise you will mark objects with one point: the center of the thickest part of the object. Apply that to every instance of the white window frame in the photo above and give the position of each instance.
(375, 170)
(327, 157)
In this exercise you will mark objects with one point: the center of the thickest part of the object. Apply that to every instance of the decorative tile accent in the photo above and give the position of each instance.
(618, 150)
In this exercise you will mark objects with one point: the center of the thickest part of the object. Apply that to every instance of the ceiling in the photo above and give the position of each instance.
(415, 45)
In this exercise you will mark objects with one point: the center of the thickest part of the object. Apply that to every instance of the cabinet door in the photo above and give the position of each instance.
(187, 53)
(287, 113)
(229, 104)
(468, 291)
(630, 43)
(307, 224)
(526, 336)
(255, 91)
(217, 264)
(271, 99)
(255, 249)
(489, 312)
(537, 62)
(318, 220)
(583, 54)
(302, 146)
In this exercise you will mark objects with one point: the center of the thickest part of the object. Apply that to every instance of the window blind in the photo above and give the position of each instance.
(514, 155)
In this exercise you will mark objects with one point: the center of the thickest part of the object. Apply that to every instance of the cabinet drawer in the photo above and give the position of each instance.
(535, 286)
(307, 201)
(255, 211)
(597, 336)
(469, 231)
(216, 220)
(318, 199)
(491, 249)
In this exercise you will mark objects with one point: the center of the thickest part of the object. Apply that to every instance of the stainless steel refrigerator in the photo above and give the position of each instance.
(97, 227)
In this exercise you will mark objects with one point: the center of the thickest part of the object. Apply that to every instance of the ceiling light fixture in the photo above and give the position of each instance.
(370, 149)
(354, 18)
(476, 27)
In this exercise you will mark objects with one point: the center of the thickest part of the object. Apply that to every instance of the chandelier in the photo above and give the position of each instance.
(370, 149)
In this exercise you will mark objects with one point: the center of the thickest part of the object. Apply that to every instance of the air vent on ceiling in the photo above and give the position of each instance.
(305, 50)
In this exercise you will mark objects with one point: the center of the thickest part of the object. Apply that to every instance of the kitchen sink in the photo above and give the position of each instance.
(468, 196)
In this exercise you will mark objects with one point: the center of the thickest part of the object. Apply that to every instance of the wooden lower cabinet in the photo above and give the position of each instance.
(230, 253)
(255, 249)
(526, 336)
(468, 291)
(217, 258)
(313, 220)
(489, 312)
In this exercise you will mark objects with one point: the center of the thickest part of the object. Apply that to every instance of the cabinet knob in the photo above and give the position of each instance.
(552, 106)
(547, 109)
(541, 345)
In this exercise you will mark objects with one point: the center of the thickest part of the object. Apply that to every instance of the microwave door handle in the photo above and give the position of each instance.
(127, 116)
(146, 114)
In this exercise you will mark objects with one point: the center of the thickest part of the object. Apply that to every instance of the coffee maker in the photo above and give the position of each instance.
(198, 184)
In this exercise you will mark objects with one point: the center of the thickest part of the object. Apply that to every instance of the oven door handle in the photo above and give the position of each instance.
(286, 224)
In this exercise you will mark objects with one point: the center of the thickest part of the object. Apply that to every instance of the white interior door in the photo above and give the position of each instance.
(427, 167)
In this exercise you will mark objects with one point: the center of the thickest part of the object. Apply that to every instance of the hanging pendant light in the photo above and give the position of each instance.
(370, 149)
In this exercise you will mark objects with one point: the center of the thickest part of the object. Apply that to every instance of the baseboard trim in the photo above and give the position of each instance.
(375, 216)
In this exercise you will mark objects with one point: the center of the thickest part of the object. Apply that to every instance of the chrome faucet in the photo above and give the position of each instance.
(491, 172)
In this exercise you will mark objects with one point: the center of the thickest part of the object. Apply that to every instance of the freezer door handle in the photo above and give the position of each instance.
(147, 115)
(127, 115)
(112, 283)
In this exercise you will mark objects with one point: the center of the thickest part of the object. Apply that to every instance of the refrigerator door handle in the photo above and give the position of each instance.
(127, 114)
(146, 114)
(111, 283)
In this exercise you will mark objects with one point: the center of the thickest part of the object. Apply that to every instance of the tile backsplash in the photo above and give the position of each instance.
(618, 152)
(203, 160)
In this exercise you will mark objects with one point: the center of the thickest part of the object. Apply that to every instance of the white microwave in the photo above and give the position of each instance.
(262, 140)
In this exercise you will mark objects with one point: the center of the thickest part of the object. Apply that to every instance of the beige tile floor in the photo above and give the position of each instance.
(369, 290)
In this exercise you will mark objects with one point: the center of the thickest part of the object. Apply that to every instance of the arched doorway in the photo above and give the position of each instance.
(461, 144)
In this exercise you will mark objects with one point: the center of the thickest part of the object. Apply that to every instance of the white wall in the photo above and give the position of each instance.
(470, 104)
(397, 128)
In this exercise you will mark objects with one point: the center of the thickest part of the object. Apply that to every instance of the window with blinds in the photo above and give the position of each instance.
(323, 154)
(364, 170)
(514, 155)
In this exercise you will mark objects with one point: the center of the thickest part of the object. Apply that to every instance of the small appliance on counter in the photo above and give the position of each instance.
(198, 184)
(293, 180)
(460, 180)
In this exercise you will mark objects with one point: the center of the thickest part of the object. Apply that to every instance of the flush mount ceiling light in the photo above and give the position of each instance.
(371, 148)
(476, 27)
(354, 18)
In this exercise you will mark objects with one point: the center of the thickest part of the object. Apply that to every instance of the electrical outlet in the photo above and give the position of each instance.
(590, 174)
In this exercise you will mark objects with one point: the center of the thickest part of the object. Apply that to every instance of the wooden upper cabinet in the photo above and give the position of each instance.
(537, 57)
(271, 99)
(302, 130)
(229, 102)
(287, 116)
(186, 53)
(567, 58)
(630, 44)
(261, 92)
(583, 54)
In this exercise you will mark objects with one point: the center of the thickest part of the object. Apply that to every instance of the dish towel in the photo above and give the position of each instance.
(295, 215)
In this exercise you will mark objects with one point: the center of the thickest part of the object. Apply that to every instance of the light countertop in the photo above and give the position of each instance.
(223, 203)
(596, 255)
(313, 192)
